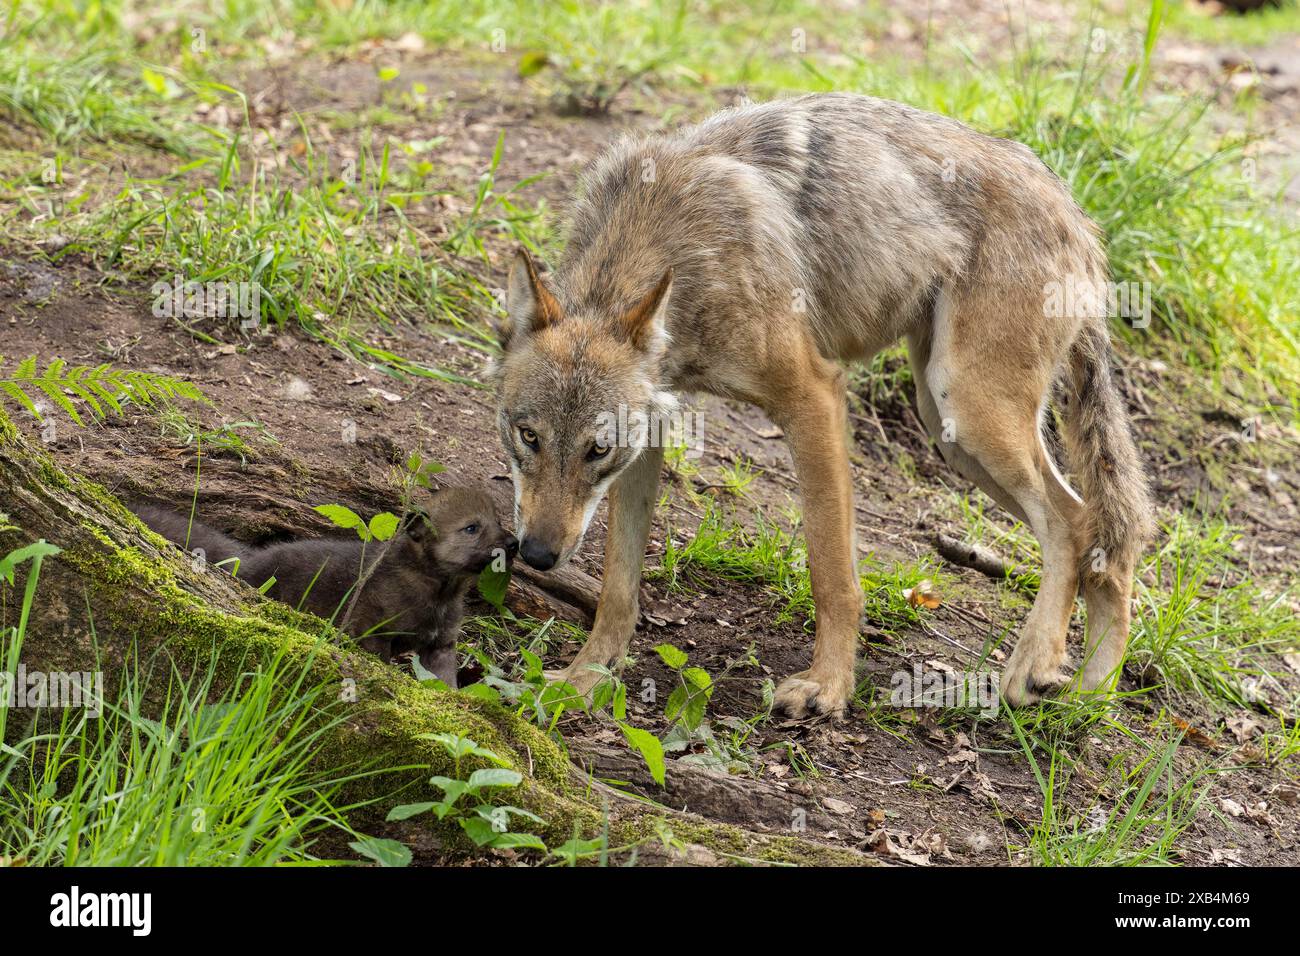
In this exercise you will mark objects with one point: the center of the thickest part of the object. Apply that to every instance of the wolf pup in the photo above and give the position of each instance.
(748, 256)
(414, 596)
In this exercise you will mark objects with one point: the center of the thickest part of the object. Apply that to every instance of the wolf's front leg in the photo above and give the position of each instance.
(631, 509)
(811, 410)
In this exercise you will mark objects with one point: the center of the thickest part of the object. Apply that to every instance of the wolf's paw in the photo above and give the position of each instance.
(580, 679)
(581, 682)
(806, 692)
(1031, 675)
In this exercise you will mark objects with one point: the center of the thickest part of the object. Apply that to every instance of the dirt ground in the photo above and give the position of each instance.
(913, 788)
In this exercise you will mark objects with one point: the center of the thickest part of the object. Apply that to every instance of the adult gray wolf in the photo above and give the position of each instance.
(751, 254)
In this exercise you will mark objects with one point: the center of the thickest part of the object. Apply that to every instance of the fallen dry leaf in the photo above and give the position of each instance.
(961, 751)
(923, 595)
(1287, 793)
(1242, 726)
(1231, 807)
(1225, 857)
(663, 613)
(1194, 734)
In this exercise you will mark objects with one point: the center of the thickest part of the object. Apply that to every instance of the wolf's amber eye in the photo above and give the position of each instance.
(597, 452)
(529, 437)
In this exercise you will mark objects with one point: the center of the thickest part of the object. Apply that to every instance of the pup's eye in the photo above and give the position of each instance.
(529, 437)
(470, 529)
(597, 452)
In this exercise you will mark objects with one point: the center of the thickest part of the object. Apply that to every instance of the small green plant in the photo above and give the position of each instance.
(381, 527)
(493, 210)
(767, 555)
(736, 478)
(689, 699)
(225, 439)
(465, 799)
(690, 734)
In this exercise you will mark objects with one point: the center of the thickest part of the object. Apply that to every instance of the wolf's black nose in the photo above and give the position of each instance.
(537, 555)
(512, 545)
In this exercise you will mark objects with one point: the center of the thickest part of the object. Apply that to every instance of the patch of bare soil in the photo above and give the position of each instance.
(916, 787)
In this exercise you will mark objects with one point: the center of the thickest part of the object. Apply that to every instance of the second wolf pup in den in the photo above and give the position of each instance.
(415, 595)
(747, 257)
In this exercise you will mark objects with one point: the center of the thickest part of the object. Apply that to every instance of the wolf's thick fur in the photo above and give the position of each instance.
(414, 596)
(746, 257)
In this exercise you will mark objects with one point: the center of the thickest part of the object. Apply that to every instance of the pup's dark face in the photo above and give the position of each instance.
(460, 532)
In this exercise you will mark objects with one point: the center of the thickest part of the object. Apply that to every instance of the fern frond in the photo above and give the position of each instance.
(101, 388)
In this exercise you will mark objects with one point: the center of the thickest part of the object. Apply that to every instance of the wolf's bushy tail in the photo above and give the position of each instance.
(192, 536)
(1102, 455)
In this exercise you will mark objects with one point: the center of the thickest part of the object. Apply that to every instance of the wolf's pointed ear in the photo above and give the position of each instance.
(644, 325)
(529, 303)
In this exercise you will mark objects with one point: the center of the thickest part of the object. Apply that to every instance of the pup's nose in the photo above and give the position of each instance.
(537, 555)
(512, 545)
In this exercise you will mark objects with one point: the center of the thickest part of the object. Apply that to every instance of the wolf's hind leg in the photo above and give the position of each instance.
(981, 403)
(631, 510)
(809, 405)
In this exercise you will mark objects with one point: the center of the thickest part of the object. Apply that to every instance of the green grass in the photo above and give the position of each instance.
(1171, 193)
(101, 142)
(1136, 820)
(766, 555)
(220, 778)
(334, 255)
(1188, 18)
(1203, 628)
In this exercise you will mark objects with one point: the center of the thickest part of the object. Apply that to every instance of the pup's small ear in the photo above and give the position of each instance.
(530, 304)
(644, 325)
(417, 526)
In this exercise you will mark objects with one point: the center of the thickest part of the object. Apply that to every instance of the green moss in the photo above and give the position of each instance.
(379, 721)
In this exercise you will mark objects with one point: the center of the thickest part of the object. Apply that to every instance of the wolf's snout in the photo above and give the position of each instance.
(512, 546)
(538, 555)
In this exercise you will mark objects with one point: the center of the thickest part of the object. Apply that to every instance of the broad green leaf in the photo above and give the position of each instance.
(383, 525)
(383, 852)
(343, 518)
(651, 750)
(408, 810)
(494, 777)
(672, 656)
(454, 789)
(41, 549)
(699, 677)
(492, 586)
(482, 692)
